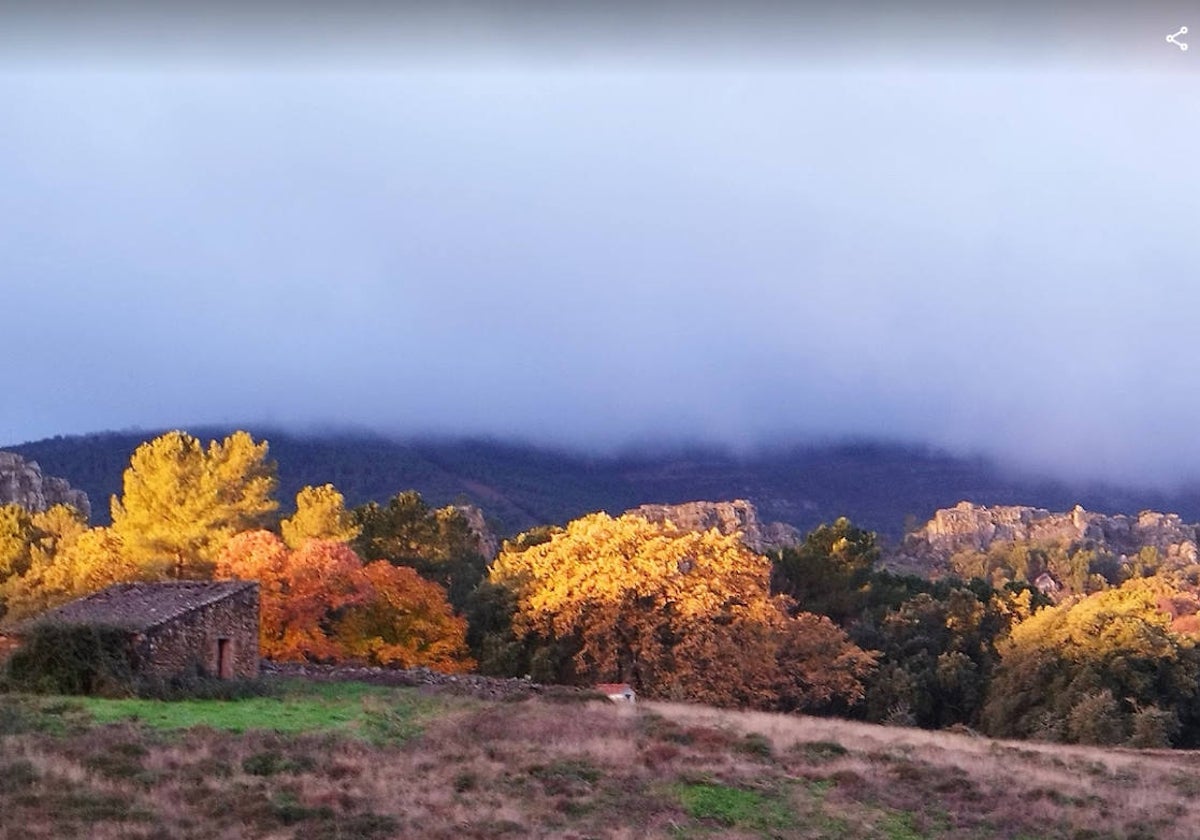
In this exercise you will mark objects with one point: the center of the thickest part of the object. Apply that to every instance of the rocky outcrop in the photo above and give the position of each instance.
(22, 483)
(728, 518)
(970, 527)
(489, 543)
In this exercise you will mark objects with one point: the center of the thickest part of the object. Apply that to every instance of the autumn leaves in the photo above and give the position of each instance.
(678, 614)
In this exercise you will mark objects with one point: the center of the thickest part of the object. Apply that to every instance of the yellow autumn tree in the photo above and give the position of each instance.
(78, 563)
(320, 515)
(1115, 649)
(676, 613)
(182, 502)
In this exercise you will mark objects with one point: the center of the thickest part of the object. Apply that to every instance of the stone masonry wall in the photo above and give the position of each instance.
(178, 645)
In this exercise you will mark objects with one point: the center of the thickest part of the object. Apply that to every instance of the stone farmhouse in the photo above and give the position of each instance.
(175, 627)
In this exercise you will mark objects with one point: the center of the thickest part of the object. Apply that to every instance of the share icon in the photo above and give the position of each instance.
(1174, 39)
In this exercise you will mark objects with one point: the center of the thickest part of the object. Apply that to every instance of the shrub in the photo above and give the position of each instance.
(1096, 719)
(73, 659)
(197, 684)
(1154, 728)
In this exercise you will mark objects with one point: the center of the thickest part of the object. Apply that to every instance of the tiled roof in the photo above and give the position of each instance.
(613, 688)
(140, 606)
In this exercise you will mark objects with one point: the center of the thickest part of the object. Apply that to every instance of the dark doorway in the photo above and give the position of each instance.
(225, 659)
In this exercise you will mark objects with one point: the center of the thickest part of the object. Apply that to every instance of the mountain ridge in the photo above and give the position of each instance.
(886, 487)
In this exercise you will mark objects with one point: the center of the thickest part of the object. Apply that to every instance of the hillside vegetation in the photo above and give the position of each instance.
(1063, 642)
(352, 761)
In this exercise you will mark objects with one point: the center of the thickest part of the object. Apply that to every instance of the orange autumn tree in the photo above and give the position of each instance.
(317, 601)
(299, 591)
(677, 614)
(407, 623)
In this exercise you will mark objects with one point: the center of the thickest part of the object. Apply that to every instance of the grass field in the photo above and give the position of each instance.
(346, 760)
(353, 708)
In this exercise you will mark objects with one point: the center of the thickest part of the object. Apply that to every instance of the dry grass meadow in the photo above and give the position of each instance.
(352, 761)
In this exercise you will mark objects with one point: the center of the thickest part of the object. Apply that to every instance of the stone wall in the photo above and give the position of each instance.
(22, 483)
(178, 645)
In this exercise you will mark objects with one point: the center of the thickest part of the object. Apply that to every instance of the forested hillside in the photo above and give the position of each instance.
(882, 486)
(1069, 626)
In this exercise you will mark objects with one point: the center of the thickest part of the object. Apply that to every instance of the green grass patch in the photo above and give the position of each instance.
(375, 712)
(734, 807)
(900, 826)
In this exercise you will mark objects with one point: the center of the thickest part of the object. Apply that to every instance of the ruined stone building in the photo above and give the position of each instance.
(174, 627)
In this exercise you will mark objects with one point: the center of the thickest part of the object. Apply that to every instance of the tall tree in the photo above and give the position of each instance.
(828, 573)
(181, 502)
(437, 542)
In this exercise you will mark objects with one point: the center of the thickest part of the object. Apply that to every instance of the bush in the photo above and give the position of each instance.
(73, 659)
(197, 684)
(1096, 719)
(1154, 728)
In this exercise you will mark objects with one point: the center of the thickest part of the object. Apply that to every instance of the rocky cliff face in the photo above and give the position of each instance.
(489, 543)
(970, 527)
(726, 517)
(22, 483)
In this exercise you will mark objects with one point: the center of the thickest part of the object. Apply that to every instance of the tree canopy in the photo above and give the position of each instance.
(675, 613)
(1113, 651)
(320, 602)
(437, 542)
(182, 502)
(320, 515)
(828, 572)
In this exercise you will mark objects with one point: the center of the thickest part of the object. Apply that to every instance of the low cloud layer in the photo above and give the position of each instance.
(988, 259)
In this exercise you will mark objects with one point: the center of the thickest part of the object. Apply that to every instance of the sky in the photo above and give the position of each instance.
(629, 225)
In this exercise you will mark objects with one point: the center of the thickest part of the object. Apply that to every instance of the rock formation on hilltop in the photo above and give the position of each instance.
(726, 517)
(970, 527)
(22, 483)
(489, 543)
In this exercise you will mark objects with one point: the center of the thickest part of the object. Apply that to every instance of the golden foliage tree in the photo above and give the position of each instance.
(320, 515)
(16, 539)
(181, 502)
(64, 560)
(676, 613)
(78, 565)
(1116, 647)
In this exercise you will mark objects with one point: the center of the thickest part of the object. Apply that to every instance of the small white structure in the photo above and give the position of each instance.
(618, 692)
